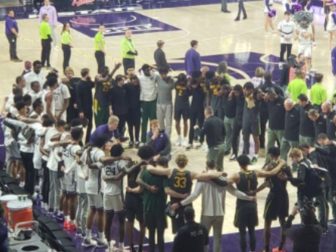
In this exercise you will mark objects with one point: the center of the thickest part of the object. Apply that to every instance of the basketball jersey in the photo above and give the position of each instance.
(180, 182)
(113, 187)
(247, 183)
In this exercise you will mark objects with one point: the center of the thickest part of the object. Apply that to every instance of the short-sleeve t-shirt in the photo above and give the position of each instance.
(60, 94)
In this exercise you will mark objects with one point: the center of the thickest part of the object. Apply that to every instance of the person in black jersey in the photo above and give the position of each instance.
(246, 216)
(229, 111)
(134, 110)
(103, 85)
(277, 202)
(84, 100)
(182, 108)
(215, 95)
(133, 198)
(251, 119)
(119, 102)
(192, 236)
(198, 95)
(238, 95)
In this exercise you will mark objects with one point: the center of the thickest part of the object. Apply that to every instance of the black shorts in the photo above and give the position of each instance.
(180, 111)
(246, 215)
(252, 127)
(155, 220)
(276, 206)
(133, 207)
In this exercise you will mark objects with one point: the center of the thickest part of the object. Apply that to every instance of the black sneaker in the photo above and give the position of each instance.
(237, 19)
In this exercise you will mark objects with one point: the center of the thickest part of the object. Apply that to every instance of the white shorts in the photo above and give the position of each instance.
(69, 182)
(113, 202)
(95, 201)
(306, 50)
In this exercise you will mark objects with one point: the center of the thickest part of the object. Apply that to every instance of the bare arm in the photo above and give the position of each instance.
(262, 186)
(240, 195)
(206, 176)
(174, 194)
(140, 181)
(275, 171)
(159, 171)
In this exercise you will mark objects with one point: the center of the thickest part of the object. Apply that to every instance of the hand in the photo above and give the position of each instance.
(185, 195)
(175, 206)
(295, 210)
(253, 198)
(156, 158)
(153, 189)
(129, 189)
(81, 115)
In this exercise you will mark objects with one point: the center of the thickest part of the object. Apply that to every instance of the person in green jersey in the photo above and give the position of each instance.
(66, 40)
(297, 86)
(318, 93)
(45, 36)
(99, 42)
(128, 51)
(154, 205)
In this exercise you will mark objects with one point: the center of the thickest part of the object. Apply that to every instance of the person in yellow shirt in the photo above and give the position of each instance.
(45, 36)
(99, 42)
(297, 86)
(66, 40)
(128, 51)
(318, 93)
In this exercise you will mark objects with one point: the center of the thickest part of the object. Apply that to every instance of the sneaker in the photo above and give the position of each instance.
(87, 242)
(130, 144)
(59, 217)
(237, 19)
(185, 143)
(227, 153)
(254, 160)
(79, 233)
(233, 157)
(204, 148)
(137, 144)
(278, 250)
(179, 141)
(102, 243)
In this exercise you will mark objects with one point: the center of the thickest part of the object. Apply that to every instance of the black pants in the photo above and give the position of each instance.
(45, 183)
(283, 49)
(12, 46)
(237, 127)
(46, 49)
(263, 122)
(88, 116)
(196, 117)
(133, 123)
(100, 58)
(66, 56)
(27, 160)
(122, 123)
(128, 63)
(241, 8)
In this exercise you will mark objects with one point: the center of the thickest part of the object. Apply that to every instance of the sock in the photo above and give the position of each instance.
(100, 235)
(67, 218)
(121, 244)
(88, 233)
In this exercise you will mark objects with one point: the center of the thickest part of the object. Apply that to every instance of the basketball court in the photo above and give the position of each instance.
(244, 45)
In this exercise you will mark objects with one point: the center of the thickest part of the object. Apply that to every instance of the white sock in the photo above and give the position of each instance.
(88, 233)
(101, 235)
(67, 217)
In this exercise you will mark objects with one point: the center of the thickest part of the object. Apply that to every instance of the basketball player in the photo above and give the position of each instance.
(246, 211)
(277, 202)
(306, 39)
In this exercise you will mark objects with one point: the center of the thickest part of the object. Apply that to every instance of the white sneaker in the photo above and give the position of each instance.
(205, 148)
(179, 141)
(185, 143)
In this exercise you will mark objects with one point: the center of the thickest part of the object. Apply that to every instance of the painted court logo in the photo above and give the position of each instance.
(78, 3)
(116, 23)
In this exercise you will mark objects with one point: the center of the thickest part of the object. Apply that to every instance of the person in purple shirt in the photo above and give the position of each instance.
(192, 60)
(51, 11)
(333, 62)
(12, 33)
(159, 141)
(109, 130)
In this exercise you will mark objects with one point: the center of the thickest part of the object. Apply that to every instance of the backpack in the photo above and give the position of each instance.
(313, 180)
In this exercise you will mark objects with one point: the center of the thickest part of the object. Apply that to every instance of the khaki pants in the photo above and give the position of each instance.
(215, 222)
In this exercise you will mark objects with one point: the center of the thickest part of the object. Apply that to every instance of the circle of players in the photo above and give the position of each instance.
(81, 178)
